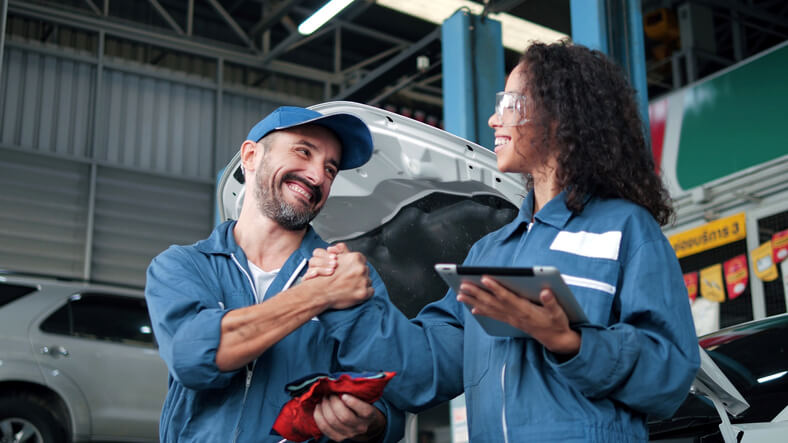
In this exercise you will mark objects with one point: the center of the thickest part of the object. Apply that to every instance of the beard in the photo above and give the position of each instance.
(271, 202)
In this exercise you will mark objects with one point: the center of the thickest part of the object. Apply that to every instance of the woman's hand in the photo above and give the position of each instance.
(547, 323)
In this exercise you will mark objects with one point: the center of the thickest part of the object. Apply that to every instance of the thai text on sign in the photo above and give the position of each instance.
(709, 236)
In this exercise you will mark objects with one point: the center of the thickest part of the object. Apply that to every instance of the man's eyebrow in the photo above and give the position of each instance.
(315, 147)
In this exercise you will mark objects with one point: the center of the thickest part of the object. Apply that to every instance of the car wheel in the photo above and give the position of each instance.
(25, 419)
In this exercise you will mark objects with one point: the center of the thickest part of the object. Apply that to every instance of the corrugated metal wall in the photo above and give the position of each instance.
(44, 213)
(103, 163)
(239, 114)
(156, 125)
(47, 103)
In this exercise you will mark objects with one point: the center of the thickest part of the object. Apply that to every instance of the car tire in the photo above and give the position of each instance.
(30, 414)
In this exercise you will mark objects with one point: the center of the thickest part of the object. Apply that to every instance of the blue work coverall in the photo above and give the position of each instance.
(639, 352)
(189, 289)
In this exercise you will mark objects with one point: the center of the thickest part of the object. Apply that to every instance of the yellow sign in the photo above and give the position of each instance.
(762, 262)
(711, 283)
(709, 236)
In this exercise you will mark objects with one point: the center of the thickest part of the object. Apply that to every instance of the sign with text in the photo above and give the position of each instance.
(709, 236)
(736, 277)
(711, 283)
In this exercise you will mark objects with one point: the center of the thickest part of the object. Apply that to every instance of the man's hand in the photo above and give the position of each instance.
(343, 277)
(347, 417)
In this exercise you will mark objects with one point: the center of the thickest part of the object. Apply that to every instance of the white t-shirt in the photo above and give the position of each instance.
(262, 280)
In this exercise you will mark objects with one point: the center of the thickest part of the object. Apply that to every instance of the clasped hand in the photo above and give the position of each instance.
(344, 277)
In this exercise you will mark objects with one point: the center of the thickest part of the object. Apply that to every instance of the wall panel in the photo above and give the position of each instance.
(152, 145)
(47, 103)
(138, 215)
(239, 114)
(155, 124)
(44, 214)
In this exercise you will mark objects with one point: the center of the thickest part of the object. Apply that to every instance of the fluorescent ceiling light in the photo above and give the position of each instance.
(322, 15)
(517, 33)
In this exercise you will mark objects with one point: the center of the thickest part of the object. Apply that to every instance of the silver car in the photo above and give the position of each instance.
(78, 362)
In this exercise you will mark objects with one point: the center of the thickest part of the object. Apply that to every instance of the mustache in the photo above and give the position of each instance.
(316, 192)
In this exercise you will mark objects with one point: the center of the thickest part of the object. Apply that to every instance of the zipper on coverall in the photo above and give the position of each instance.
(250, 366)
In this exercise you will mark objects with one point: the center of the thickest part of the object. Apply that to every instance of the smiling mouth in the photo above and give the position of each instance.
(500, 141)
(303, 188)
(298, 189)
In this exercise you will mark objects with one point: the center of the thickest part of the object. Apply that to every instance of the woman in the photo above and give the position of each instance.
(569, 121)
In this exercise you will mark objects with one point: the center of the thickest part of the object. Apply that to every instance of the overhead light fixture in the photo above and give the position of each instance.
(322, 15)
(517, 33)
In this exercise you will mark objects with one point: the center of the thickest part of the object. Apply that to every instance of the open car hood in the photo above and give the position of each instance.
(410, 161)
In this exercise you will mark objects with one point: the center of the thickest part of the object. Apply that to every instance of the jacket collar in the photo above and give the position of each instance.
(222, 241)
(554, 213)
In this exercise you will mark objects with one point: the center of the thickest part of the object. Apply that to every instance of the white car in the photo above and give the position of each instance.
(78, 362)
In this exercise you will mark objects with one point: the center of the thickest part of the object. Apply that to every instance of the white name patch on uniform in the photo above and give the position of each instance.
(588, 244)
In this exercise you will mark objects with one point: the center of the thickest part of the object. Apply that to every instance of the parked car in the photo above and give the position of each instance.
(751, 388)
(78, 362)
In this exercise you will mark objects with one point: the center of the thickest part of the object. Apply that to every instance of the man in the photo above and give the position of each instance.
(232, 320)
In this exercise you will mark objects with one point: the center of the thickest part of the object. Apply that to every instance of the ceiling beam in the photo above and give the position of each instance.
(232, 23)
(93, 6)
(196, 46)
(274, 17)
(382, 69)
(166, 16)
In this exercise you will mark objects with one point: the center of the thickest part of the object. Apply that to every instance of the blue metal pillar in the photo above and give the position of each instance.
(473, 71)
(615, 27)
(589, 23)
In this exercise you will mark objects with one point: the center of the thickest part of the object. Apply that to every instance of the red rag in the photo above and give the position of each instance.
(296, 421)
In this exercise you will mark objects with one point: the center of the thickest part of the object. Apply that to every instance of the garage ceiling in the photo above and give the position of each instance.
(368, 52)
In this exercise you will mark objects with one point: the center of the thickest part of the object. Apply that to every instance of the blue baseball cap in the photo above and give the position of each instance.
(352, 132)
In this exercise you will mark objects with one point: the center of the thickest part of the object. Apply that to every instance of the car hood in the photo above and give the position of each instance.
(410, 160)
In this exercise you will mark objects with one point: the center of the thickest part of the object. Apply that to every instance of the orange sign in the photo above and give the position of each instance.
(780, 246)
(691, 282)
(736, 276)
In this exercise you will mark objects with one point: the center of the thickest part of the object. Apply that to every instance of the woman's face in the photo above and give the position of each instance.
(514, 145)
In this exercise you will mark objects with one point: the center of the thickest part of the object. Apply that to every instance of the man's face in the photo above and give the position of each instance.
(295, 173)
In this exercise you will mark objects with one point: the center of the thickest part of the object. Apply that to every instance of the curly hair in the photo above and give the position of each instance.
(587, 113)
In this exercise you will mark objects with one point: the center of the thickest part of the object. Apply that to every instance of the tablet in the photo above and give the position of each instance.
(525, 282)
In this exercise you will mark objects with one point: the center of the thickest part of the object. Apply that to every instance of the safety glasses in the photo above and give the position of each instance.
(510, 108)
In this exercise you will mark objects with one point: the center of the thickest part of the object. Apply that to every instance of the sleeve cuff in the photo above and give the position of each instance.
(588, 371)
(395, 422)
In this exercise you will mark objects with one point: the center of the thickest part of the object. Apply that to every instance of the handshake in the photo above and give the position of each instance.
(343, 276)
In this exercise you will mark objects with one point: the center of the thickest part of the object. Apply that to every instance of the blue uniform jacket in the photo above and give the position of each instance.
(189, 289)
(639, 352)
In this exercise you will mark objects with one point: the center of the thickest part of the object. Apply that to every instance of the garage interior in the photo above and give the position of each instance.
(117, 116)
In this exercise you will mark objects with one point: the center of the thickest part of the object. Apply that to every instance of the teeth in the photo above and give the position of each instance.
(501, 141)
(300, 190)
